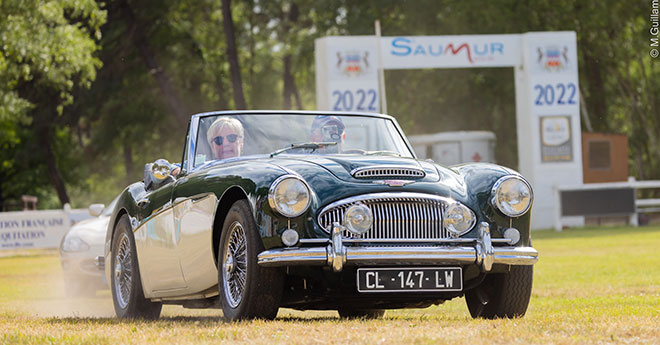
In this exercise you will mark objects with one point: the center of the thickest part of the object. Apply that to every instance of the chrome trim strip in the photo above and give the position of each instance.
(401, 195)
(336, 255)
(317, 256)
(403, 171)
(400, 240)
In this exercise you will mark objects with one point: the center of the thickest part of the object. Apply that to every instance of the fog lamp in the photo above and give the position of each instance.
(512, 234)
(458, 219)
(290, 237)
(358, 219)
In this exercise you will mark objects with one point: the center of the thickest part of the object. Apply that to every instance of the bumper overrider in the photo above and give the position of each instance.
(480, 251)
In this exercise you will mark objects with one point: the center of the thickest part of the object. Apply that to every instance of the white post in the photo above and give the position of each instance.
(634, 219)
(557, 197)
(381, 73)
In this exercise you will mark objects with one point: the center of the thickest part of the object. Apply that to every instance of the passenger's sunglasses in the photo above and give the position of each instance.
(331, 132)
(219, 139)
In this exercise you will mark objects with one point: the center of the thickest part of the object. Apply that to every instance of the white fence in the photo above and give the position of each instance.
(650, 205)
(37, 229)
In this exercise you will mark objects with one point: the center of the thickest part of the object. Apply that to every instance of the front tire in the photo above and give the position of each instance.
(503, 295)
(126, 285)
(247, 291)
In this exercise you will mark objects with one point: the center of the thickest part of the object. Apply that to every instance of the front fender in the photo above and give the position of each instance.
(480, 178)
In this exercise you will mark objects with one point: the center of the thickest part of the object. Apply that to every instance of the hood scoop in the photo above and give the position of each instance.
(373, 172)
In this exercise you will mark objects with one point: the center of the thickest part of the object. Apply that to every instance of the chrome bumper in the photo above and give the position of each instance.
(336, 255)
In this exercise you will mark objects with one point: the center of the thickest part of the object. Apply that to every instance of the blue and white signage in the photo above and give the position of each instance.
(450, 51)
(547, 91)
(32, 229)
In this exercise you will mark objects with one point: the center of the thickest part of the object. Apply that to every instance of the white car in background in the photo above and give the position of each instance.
(80, 246)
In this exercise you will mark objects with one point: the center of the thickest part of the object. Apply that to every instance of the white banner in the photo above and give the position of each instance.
(33, 229)
(461, 51)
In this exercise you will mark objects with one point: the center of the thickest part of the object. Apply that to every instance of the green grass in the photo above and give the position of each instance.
(592, 286)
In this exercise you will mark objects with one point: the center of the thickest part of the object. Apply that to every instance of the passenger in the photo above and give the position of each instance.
(328, 128)
(225, 137)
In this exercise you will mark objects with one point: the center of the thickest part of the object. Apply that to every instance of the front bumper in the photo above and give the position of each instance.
(336, 254)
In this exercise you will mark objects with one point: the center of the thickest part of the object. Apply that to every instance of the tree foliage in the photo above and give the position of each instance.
(163, 60)
(48, 49)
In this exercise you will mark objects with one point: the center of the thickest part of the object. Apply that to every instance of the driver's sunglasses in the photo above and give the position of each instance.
(231, 138)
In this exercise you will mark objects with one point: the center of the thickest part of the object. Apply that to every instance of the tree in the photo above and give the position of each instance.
(232, 55)
(48, 48)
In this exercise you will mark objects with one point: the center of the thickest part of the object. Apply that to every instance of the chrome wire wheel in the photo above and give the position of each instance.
(234, 265)
(123, 271)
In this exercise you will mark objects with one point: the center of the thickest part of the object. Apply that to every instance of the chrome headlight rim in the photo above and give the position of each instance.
(498, 184)
(454, 232)
(271, 195)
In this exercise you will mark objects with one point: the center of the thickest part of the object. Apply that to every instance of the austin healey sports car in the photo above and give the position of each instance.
(317, 210)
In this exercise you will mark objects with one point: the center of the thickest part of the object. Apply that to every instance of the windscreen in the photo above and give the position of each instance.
(229, 136)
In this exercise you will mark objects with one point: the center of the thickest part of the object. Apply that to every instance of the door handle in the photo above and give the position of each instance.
(142, 203)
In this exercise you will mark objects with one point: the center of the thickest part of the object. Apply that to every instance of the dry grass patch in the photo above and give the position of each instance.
(592, 286)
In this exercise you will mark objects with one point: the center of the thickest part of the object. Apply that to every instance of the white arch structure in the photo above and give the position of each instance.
(546, 82)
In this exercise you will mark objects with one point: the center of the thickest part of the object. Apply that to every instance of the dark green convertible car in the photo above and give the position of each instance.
(317, 210)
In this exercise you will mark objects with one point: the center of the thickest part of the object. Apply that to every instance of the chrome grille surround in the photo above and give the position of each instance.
(405, 216)
(388, 171)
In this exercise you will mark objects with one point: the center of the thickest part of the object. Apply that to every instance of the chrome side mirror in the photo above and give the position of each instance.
(160, 169)
(95, 210)
(157, 174)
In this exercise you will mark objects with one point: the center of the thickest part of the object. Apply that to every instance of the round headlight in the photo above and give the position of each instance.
(512, 195)
(74, 244)
(458, 219)
(289, 195)
(358, 219)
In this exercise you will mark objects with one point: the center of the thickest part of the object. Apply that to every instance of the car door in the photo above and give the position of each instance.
(156, 242)
(194, 212)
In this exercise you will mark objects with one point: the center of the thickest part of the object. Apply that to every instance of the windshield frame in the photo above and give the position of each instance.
(189, 149)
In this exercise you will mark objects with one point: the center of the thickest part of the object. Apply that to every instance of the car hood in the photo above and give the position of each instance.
(330, 176)
(92, 231)
(341, 166)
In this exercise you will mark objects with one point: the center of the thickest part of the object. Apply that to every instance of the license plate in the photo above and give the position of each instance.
(410, 279)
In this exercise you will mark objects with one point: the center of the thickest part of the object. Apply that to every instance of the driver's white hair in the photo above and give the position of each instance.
(220, 123)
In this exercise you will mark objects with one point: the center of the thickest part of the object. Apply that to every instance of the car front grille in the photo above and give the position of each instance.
(396, 216)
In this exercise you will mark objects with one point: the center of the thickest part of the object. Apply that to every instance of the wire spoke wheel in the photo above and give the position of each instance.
(234, 265)
(123, 271)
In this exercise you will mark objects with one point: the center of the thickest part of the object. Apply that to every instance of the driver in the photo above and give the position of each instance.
(328, 128)
(225, 137)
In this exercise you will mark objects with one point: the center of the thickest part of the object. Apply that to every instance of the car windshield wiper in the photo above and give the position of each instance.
(313, 145)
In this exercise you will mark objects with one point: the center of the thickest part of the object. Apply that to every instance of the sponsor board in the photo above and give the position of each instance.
(36, 229)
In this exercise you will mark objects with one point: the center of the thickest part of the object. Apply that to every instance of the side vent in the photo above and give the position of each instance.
(390, 171)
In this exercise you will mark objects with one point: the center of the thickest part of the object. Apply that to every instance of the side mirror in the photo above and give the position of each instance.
(160, 169)
(95, 210)
(157, 174)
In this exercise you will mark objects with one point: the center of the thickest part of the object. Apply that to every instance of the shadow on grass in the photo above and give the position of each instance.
(591, 232)
(213, 320)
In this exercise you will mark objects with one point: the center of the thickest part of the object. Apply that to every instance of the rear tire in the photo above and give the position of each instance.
(346, 313)
(507, 294)
(247, 290)
(126, 285)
